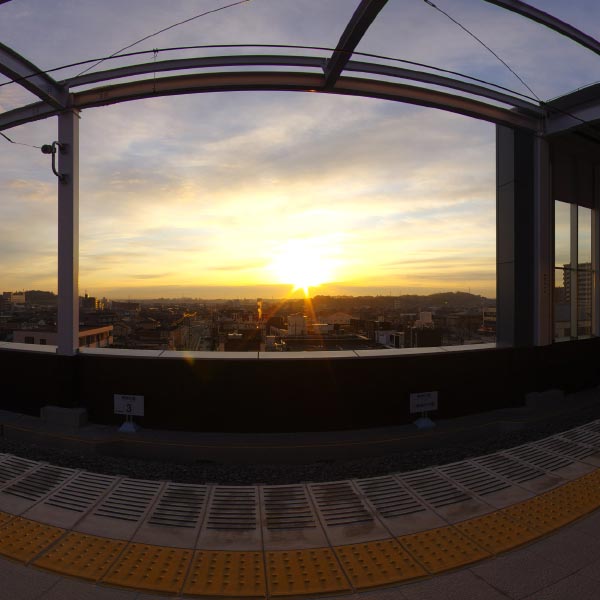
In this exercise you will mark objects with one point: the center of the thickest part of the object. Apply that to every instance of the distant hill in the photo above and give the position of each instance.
(407, 302)
(456, 299)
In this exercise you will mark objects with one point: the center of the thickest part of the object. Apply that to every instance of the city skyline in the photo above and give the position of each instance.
(243, 190)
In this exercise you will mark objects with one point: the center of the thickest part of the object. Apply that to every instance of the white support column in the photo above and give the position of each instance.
(68, 233)
(544, 239)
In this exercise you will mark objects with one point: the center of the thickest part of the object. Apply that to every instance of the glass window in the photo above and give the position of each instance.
(562, 305)
(584, 237)
(584, 272)
(584, 303)
(573, 274)
(562, 234)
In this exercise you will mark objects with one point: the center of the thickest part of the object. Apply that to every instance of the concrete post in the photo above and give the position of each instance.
(68, 233)
(544, 244)
(515, 237)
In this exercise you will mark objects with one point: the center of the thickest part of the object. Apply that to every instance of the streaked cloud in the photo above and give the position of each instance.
(202, 192)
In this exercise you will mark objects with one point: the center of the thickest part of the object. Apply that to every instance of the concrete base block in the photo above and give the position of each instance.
(65, 417)
(545, 399)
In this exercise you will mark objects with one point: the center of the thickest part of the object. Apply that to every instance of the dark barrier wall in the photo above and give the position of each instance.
(289, 394)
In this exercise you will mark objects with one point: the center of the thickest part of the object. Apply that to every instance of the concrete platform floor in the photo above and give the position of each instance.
(561, 566)
(523, 522)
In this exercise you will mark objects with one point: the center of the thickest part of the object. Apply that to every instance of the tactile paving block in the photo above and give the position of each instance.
(155, 568)
(300, 572)
(22, 539)
(442, 549)
(557, 507)
(580, 495)
(81, 555)
(4, 518)
(229, 574)
(496, 533)
(378, 563)
(591, 484)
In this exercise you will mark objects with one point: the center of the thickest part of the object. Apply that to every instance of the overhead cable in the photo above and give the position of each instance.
(284, 46)
(18, 143)
(429, 3)
(147, 37)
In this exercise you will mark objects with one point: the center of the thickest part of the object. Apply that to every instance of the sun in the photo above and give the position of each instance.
(303, 263)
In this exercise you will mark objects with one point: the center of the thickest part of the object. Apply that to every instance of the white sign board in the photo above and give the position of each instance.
(129, 405)
(423, 402)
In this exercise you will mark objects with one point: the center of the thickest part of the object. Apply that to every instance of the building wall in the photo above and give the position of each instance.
(100, 337)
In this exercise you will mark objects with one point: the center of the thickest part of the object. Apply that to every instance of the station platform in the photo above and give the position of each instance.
(519, 523)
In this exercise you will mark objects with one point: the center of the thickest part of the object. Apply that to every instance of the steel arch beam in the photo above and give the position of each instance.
(304, 61)
(275, 81)
(447, 82)
(180, 64)
(543, 18)
(29, 76)
(26, 114)
(361, 20)
(351, 86)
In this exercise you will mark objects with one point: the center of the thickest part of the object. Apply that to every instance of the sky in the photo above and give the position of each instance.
(247, 194)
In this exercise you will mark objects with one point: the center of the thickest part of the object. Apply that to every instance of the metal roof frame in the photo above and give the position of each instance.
(57, 96)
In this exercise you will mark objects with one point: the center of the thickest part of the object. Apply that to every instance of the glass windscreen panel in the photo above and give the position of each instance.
(585, 277)
(584, 302)
(562, 305)
(562, 234)
(299, 286)
(584, 237)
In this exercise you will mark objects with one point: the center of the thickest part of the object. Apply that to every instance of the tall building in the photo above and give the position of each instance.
(297, 324)
(585, 281)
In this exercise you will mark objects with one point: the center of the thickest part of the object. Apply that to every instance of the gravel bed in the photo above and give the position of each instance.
(279, 474)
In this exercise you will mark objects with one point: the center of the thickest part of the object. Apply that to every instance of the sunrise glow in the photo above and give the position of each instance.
(304, 263)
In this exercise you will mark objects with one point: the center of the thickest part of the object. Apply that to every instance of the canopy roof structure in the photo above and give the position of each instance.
(342, 65)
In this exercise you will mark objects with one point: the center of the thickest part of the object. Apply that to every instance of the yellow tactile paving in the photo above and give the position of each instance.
(297, 572)
(378, 563)
(319, 571)
(227, 574)
(79, 555)
(555, 508)
(536, 515)
(496, 533)
(442, 549)
(583, 493)
(22, 539)
(4, 518)
(154, 568)
(592, 478)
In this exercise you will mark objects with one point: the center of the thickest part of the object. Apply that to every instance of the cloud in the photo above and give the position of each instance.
(150, 276)
(370, 177)
(238, 267)
(204, 189)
